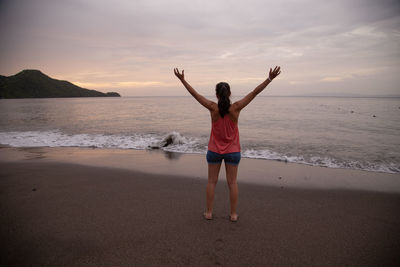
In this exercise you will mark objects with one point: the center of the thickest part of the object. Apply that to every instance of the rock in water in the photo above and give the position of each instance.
(169, 139)
(113, 94)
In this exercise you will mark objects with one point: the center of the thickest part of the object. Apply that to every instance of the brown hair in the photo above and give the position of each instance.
(223, 92)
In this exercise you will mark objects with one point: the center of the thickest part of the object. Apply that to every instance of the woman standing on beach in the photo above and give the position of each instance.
(224, 138)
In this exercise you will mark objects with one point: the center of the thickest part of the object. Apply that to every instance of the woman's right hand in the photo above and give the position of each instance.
(179, 75)
(274, 73)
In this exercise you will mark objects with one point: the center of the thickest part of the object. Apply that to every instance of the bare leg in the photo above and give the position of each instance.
(213, 171)
(231, 176)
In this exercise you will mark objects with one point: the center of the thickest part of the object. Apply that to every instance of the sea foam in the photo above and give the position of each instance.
(174, 142)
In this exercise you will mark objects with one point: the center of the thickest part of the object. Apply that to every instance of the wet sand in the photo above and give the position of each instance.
(56, 212)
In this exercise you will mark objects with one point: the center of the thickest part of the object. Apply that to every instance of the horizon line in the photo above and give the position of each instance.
(350, 96)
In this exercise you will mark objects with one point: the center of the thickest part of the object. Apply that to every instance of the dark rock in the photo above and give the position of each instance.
(114, 94)
(169, 139)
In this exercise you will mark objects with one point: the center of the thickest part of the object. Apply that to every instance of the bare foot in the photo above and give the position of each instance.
(234, 217)
(207, 215)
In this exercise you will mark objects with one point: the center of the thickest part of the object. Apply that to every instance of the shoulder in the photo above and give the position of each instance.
(213, 106)
(214, 112)
(235, 106)
(234, 113)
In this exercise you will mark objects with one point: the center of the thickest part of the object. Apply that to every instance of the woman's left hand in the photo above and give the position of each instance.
(274, 73)
(179, 75)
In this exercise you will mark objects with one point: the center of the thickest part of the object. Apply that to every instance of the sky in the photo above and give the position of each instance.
(325, 48)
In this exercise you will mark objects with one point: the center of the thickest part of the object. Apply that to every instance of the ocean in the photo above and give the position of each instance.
(335, 132)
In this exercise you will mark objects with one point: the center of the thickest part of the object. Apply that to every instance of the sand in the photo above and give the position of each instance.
(56, 212)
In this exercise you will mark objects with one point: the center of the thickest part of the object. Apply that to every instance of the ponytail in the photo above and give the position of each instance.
(223, 92)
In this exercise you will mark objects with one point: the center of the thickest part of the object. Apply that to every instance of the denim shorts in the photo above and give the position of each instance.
(229, 158)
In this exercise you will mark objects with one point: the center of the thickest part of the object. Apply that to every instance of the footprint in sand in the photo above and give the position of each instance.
(219, 244)
(214, 254)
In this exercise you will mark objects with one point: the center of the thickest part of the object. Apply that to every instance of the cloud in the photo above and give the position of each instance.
(331, 79)
(131, 44)
(128, 84)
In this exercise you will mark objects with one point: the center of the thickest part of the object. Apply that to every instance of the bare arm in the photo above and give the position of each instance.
(239, 105)
(210, 105)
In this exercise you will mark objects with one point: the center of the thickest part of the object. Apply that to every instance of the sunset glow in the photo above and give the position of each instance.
(324, 48)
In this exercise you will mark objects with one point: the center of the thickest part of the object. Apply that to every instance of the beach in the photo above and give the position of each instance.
(108, 110)
(104, 207)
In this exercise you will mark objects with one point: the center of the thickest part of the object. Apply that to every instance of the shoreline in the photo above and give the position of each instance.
(56, 212)
(253, 171)
(51, 139)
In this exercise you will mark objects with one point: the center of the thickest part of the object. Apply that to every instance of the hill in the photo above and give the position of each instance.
(35, 84)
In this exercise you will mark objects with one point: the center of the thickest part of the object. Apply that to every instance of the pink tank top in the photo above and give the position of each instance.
(224, 137)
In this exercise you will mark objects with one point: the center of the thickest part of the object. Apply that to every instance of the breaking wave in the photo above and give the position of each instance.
(174, 142)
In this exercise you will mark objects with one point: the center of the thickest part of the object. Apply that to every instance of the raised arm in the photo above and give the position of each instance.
(239, 105)
(210, 105)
